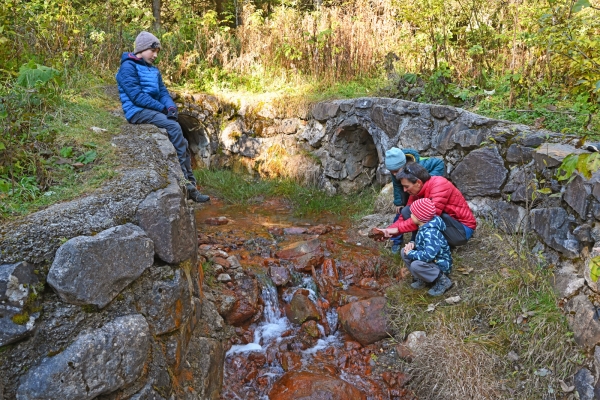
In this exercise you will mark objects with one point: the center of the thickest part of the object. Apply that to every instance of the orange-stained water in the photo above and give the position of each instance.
(352, 269)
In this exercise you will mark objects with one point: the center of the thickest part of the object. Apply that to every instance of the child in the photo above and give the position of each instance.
(395, 160)
(428, 258)
(146, 100)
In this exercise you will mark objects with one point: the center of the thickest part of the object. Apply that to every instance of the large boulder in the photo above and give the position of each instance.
(304, 385)
(365, 320)
(20, 289)
(480, 173)
(94, 269)
(166, 219)
(553, 226)
(97, 362)
(168, 304)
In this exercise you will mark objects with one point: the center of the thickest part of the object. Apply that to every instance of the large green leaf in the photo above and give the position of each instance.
(31, 74)
(580, 4)
(595, 268)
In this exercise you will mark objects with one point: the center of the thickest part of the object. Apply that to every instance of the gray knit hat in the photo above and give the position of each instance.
(144, 41)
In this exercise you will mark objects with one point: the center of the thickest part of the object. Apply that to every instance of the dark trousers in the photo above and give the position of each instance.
(175, 134)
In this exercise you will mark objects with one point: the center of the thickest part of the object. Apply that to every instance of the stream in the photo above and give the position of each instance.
(293, 276)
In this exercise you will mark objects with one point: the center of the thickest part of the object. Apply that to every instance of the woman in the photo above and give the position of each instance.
(450, 205)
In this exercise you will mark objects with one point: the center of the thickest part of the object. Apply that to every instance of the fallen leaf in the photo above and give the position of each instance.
(431, 307)
(565, 388)
(453, 300)
(542, 372)
(504, 272)
(551, 107)
(95, 129)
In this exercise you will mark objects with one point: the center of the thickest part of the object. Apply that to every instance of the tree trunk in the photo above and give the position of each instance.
(156, 14)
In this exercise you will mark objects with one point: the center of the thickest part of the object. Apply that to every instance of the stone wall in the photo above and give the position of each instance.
(101, 297)
(507, 171)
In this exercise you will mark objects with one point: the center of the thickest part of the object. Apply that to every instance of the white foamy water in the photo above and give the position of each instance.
(270, 329)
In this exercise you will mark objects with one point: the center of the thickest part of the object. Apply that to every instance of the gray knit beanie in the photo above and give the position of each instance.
(144, 41)
(394, 159)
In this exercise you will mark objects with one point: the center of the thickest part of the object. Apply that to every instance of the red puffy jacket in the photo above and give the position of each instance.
(446, 197)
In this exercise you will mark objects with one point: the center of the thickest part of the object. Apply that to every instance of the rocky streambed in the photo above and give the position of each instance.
(305, 298)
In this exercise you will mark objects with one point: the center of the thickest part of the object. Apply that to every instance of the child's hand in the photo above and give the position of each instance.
(409, 246)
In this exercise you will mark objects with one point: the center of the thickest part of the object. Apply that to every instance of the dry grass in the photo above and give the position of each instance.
(499, 281)
(442, 358)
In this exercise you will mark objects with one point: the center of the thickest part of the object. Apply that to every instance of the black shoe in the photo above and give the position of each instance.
(194, 195)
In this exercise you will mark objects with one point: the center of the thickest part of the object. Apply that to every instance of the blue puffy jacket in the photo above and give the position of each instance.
(434, 166)
(141, 86)
(432, 246)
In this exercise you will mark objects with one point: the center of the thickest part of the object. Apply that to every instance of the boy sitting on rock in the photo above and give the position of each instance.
(428, 258)
(146, 100)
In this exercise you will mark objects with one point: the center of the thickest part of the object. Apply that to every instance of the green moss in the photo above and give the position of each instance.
(88, 308)
(21, 319)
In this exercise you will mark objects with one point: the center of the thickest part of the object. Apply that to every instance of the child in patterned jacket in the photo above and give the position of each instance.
(428, 258)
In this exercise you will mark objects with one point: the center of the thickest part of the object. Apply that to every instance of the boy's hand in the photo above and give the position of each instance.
(409, 246)
(172, 113)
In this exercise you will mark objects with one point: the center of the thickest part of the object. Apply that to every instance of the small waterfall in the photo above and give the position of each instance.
(272, 325)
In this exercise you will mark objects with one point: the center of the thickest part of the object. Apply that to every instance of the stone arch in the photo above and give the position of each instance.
(198, 139)
(353, 159)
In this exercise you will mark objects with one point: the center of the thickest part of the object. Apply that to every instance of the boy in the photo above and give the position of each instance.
(146, 100)
(428, 258)
(395, 160)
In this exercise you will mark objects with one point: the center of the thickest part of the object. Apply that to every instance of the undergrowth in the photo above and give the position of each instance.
(507, 305)
(240, 188)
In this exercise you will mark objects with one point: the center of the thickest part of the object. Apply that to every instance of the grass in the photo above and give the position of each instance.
(508, 304)
(76, 159)
(239, 188)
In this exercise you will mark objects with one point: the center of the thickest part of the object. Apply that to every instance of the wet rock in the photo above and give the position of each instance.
(168, 304)
(582, 316)
(20, 289)
(97, 362)
(311, 329)
(246, 304)
(306, 385)
(166, 219)
(94, 269)
(216, 221)
(576, 195)
(354, 294)
(289, 360)
(550, 155)
(304, 255)
(329, 269)
(279, 275)
(480, 173)
(365, 320)
(584, 384)
(519, 154)
(553, 226)
(294, 230)
(301, 308)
